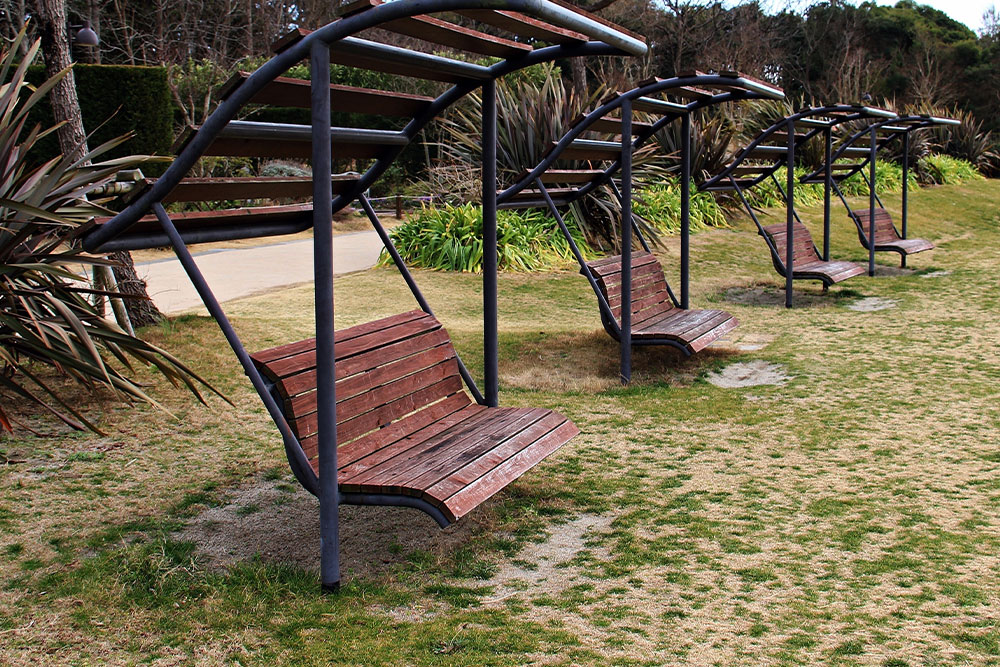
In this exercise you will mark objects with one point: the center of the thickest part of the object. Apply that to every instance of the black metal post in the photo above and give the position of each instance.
(685, 210)
(827, 186)
(871, 201)
(790, 213)
(390, 248)
(906, 174)
(626, 200)
(326, 411)
(491, 345)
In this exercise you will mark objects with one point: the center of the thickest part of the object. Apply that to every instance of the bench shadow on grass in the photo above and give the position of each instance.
(588, 362)
(277, 521)
(772, 295)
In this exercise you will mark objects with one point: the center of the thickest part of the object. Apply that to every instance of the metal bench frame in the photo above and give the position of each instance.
(593, 37)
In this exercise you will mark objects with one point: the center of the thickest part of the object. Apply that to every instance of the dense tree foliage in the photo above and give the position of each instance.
(831, 50)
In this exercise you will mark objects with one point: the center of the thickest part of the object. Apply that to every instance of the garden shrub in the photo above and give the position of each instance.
(948, 170)
(450, 238)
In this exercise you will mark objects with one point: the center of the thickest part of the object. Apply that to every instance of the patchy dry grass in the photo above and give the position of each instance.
(849, 517)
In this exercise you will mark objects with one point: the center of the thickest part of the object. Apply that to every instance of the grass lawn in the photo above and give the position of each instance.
(850, 516)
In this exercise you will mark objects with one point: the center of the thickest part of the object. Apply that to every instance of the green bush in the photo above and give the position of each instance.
(450, 238)
(888, 180)
(766, 194)
(660, 205)
(947, 170)
(114, 100)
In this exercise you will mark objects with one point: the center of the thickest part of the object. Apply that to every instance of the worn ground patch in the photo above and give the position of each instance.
(872, 304)
(748, 374)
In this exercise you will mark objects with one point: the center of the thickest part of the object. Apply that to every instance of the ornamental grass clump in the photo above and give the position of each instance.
(50, 329)
(450, 238)
(888, 180)
(948, 170)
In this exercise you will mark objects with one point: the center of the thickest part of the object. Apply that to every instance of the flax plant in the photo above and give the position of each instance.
(48, 321)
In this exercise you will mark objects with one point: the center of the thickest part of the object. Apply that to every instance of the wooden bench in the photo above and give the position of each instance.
(886, 237)
(807, 263)
(655, 316)
(406, 429)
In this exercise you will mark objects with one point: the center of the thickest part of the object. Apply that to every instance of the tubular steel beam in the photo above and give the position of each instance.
(390, 248)
(491, 345)
(626, 296)
(790, 214)
(601, 301)
(906, 173)
(685, 210)
(871, 201)
(296, 458)
(326, 379)
(827, 184)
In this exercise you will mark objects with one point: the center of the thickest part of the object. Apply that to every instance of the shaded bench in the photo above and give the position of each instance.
(887, 238)
(656, 318)
(408, 433)
(807, 263)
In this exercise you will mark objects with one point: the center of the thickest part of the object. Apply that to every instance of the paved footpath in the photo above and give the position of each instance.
(236, 272)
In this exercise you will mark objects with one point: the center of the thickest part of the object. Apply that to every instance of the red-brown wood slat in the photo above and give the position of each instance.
(283, 360)
(392, 475)
(235, 217)
(353, 391)
(476, 493)
(524, 25)
(476, 468)
(404, 423)
(288, 92)
(399, 437)
(444, 461)
(304, 381)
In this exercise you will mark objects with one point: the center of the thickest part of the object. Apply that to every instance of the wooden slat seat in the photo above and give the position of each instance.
(654, 315)
(255, 187)
(807, 263)
(287, 92)
(886, 237)
(405, 426)
(281, 140)
(588, 149)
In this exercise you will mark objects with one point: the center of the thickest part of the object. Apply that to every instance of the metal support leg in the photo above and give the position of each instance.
(871, 201)
(323, 268)
(906, 173)
(491, 345)
(626, 307)
(827, 186)
(790, 213)
(602, 303)
(685, 210)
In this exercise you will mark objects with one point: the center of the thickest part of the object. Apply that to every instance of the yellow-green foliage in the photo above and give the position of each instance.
(948, 170)
(660, 205)
(450, 238)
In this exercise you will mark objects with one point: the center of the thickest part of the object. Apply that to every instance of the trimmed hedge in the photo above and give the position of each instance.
(115, 100)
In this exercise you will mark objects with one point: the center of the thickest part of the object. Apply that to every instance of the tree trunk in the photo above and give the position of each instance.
(73, 141)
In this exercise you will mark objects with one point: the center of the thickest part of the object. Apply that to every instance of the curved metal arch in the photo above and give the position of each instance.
(616, 43)
(913, 122)
(856, 112)
(753, 91)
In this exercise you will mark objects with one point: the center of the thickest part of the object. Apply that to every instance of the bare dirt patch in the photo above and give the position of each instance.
(546, 567)
(279, 522)
(935, 274)
(771, 295)
(748, 374)
(872, 304)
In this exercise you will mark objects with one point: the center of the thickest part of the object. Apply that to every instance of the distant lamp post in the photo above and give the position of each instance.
(85, 36)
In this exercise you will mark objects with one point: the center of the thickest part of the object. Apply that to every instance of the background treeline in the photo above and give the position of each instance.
(829, 51)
